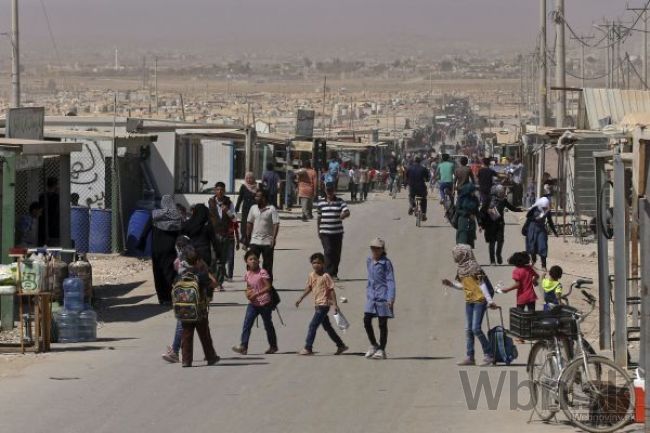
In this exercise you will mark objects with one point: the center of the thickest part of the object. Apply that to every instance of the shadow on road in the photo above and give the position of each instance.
(116, 290)
(131, 313)
(228, 304)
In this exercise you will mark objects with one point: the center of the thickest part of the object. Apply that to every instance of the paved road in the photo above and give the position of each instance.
(120, 385)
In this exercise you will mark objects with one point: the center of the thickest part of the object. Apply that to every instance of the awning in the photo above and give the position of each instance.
(38, 147)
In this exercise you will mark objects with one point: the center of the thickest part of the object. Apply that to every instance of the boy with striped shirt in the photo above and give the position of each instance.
(332, 210)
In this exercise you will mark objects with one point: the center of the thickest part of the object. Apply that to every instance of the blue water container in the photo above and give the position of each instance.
(67, 325)
(80, 227)
(100, 231)
(137, 224)
(88, 325)
(73, 294)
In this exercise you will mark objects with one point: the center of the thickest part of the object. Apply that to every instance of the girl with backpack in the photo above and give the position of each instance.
(492, 215)
(258, 292)
(469, 278)
(201, 324)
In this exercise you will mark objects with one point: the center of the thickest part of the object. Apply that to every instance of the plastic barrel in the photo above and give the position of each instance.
(100, 231)
(80, 227)
(137, 224)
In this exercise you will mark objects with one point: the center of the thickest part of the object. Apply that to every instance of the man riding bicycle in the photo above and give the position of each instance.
(417, 177)
(445, 173)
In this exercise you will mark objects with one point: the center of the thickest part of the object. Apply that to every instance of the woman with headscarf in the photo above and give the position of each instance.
(469, 277)
(467, 208)
(166, 225)
(536, 234)
(245, 200)
(199, 229)
(492, 215)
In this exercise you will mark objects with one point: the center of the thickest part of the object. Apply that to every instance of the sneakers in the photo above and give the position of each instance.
(379, 354)
(305, 352)
(371, 351)
(341, 349)
(213, 360)
(467, 361)
(487, 361)
(271, 350)
(240, 349)
(171, 356)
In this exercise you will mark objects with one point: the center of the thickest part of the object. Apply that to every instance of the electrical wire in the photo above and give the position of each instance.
(56, 48)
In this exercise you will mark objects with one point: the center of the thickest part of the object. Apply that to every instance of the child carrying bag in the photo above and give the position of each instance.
(189, 301)
(341, 322)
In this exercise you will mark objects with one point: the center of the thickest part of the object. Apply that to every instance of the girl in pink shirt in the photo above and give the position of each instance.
(525, 281)
(258, 292)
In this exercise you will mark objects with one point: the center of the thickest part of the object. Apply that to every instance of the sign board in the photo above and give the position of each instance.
(27, 123)
(305, 124)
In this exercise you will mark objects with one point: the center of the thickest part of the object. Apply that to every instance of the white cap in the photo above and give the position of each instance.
(377, 243)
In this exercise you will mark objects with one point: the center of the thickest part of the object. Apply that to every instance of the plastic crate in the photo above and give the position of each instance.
(524, 324)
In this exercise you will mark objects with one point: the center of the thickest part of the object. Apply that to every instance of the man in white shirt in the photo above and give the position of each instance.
(263, 226)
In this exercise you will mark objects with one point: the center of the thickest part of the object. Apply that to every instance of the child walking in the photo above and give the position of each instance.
(477, 299)
(321, 285)
(525, 279)
(258, 292)
(552, 287)
(380, 297)
(201, 326)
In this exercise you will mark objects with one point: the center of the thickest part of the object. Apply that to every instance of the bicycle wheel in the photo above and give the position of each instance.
(597, 395)
(545, 389)
(540, 352)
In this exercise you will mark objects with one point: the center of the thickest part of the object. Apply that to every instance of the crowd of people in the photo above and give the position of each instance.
(203, 245)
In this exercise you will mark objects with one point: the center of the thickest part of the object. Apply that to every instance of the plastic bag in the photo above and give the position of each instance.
(6, 276)
(341, 322)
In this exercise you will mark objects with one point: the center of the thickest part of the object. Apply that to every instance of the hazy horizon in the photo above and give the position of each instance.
(290, 26)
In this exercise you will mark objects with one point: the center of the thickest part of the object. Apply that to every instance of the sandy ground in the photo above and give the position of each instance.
(119, 384)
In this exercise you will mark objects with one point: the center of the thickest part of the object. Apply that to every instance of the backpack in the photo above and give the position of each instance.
(452, 215)
(503, 347)
(189, 301)
(275, 298)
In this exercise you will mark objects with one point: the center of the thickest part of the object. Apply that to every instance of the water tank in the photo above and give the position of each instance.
(73, 294)
(137, 224)
(67, 325)
(82, 269)
(100, 231)
(80, 227)
(88, 325)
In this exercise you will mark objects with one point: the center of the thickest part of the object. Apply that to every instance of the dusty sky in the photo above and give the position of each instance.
(291, 25)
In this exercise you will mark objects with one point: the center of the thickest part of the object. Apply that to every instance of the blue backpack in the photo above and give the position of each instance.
(503, 347)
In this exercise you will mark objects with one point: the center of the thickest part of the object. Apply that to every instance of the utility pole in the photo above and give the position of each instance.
(324, 96)
(581, 40)
(155, 81)
(644, 13)
(560, 69)
(543, 101)
(15, 56)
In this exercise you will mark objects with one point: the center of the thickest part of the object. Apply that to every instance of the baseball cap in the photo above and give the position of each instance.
(377, 243)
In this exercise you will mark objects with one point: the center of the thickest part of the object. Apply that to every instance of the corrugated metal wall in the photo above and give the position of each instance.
(584, 174)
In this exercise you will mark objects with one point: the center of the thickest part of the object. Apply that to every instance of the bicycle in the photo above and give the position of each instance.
(541, 348)
(593, 392)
